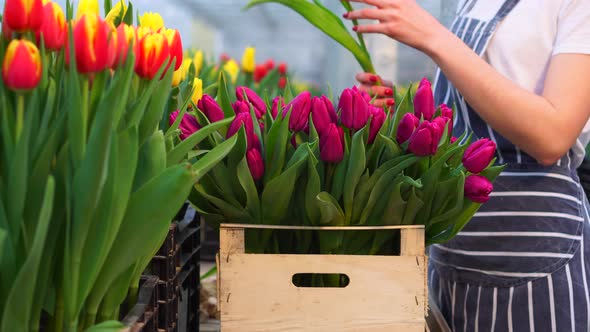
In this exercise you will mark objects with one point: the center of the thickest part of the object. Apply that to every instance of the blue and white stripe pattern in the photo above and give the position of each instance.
(520, 264)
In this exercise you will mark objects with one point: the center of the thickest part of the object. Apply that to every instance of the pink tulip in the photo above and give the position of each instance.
(354, 109)
(275, 106)
(332, 144)
(253, 98)
(188, 124)
(210, 108)
(246, 120)
(479, 155)
(453, 139)
(407, 125)
(424, 141)
(447, 113)
(478, 188)
(322, 113)
(255, 164)
(300, 108)
(424, 101)
(241, 107)
(378, 118)
(364, 94)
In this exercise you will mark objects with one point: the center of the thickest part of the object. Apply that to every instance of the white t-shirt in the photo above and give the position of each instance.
(534, 31)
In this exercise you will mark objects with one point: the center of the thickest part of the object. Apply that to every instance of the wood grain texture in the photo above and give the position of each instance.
(412, 242)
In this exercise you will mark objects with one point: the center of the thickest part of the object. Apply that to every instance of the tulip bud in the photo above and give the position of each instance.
(441, 123)
(188, 124)
(87, 7)
(22, 15)
(277, 102)
(241, 107)
(447, 113)
(232, 68)
(378, 119)
(198, 62)
(249, 60)
(282, 68)
(365, 95)
(153, 52)
(174, 46)
(424, 101)
(354, 109)
(245, 119)
(406, 127)
(21, 69)
(269, 64)
(300, 108)
(180, 75)
(255, 164)
(322, 114)
(117, 13)
(479, 155)
(453, 139)
(151, 20)
(259, 73)
(424, 141)
(211, 109)
(282, 82)
(126, 37)
(96, 44)
(197, 90)
(223, 58)
(53, 30)
(478, 188)
(332, 144)
(246, 94)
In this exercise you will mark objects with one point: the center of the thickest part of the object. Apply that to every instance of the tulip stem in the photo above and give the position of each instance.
(329, 177)
(84, 110)
(20, 114)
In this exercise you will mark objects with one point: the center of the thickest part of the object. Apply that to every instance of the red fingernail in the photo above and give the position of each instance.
(389, 92)
(345, 15)
(355, 28)
(390, 102)
(373, 79)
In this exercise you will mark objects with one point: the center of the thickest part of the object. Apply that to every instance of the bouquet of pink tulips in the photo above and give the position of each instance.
(309, 161)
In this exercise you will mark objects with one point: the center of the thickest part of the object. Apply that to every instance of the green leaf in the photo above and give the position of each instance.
(278, 138)
(312, 190)
(330, 210)
(247, 182)
(223, 96)
(404, 107)
(356, 168)
(151, 159)
(203, 165)
(108, 326)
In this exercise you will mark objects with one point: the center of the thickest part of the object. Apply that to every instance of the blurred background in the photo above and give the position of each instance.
(221, 26)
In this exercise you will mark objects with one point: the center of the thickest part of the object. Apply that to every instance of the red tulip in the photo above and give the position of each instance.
(259, 73)
(332, 144)
(223, 58)
(406, 127)
(322, 113)
(246, 120)
(283, 68)
(95, 44)
(153, 52)
(424, 100)
(126, 37)
(282, 82)
(175, 47)
(23, 15)
(478, 188)
(255, 164)
(246, 94)
(300, 108)
(479, 155)
(53, 29)
(277, 102)
(270, 65)
(188, 124)
(424, 141)
(377, 121)
(21, 68)
(354, 109)
(211, 109)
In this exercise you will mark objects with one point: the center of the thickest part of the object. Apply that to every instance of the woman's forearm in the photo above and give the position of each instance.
(528, 120)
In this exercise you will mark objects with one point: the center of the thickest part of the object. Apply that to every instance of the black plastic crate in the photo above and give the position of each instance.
(143, 316)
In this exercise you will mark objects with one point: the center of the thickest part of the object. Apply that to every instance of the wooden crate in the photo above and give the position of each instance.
(385, 293)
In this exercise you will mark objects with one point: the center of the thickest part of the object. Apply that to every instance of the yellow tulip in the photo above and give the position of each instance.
(119, 10)
(86, 7)
(151, 20)
(180, 75)
(233, 69)
(249, 60)
(198, 90)
(198, 61)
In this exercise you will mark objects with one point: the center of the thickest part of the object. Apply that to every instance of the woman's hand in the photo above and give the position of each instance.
(402, 20)
(376, 87)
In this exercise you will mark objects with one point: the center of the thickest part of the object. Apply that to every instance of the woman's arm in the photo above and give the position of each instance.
(544, 126)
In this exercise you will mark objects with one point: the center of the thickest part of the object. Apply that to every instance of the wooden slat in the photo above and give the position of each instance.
(412, 242)
(231, 241)
(320, 228)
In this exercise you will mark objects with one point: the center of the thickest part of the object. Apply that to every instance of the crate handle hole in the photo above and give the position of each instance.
(320, 280)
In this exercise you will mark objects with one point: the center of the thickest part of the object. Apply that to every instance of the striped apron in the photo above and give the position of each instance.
(520, 264)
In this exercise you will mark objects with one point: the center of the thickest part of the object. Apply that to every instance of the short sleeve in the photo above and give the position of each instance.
(573, 28)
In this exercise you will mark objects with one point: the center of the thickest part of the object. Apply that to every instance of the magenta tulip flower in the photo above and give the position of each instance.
(253, 98)
(479, 155)
(210, 108)
(332, 144)
(447, 113)
(255, 164)
(478, 188)
(354, 109)
(424, 141)
(241, 107)
(275, 106)
(407, 125)
(364, 94)
(424, 101)
(246, 120)
(188, 124)
(300, 108)
(322, 113)
(377, 120)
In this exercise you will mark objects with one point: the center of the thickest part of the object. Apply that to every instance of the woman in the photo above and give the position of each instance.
(519, 74)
